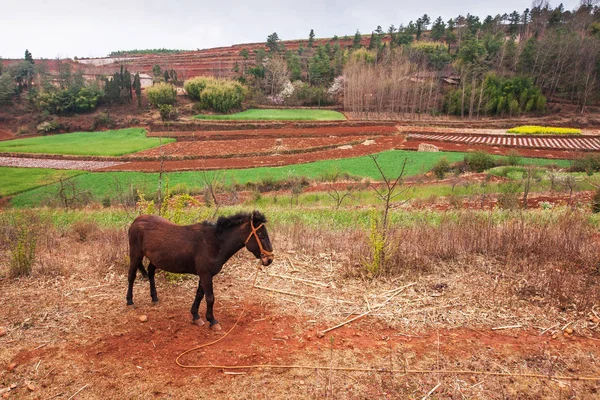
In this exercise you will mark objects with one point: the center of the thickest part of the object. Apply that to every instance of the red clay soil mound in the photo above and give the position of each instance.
(275, 160)
(280, 133)
(228, 148)
(5, 135)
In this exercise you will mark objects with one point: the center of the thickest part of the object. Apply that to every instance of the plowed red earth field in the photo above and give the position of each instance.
(381, 144)
(280, 133)
(225, 148)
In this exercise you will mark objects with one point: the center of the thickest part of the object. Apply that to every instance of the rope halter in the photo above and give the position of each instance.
(263, 252)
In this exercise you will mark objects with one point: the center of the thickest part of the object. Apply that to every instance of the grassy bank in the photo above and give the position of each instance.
(17, 180)
(107, 143)
(279, 114)
(102, 184)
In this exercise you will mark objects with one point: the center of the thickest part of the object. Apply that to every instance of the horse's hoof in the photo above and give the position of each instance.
(216, 327)
(130, 304)
(198, 322)
(155, 302)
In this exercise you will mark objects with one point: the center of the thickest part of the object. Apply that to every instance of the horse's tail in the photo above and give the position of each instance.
(143, 271)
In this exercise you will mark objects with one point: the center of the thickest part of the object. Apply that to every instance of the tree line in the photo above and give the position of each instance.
(541, 53)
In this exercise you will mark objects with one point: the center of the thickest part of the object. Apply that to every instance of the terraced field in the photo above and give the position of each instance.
(573, 143)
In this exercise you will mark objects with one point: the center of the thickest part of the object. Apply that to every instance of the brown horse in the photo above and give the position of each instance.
(199, 249)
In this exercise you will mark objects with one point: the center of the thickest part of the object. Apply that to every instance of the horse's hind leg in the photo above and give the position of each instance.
(207, 286)
(151, 271)
(199, 295)
(135, 264)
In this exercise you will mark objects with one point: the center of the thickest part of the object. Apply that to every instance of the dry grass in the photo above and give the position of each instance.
(73, 307)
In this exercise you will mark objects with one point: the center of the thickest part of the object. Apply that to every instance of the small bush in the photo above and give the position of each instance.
(47, 127)
(195, 86)
(589, 164)
(161, 93)
(69, 101)
(103, 120)
(106, 201)
(508, 199)
(441, 168)
(221, 95)
(22, 235)
(167, 112)
(479, 161)
(596, 201)
(84, 230)
(377, 246)
(514, 158)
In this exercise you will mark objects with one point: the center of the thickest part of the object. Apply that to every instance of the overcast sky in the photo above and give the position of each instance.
(84, 28)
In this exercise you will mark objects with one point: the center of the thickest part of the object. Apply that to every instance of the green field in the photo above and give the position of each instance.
(17, 180)
(101, 184)
(108, 143)
(279, 114)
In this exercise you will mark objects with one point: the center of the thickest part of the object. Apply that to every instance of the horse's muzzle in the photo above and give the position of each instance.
(266, 260)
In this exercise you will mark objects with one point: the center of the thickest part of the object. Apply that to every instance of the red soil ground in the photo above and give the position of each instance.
(145, 352)
(279, 133)
(381, 144)
(221, 148)
(218, 61)
(4, 135)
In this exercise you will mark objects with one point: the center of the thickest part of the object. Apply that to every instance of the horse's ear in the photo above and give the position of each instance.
(258, 217)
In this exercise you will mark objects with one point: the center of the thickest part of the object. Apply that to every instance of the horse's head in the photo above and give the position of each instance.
(257, 241)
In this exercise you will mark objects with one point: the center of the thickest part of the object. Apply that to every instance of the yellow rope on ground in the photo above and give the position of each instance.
(355, 369)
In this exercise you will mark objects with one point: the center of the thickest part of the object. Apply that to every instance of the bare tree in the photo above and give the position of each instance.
(276, 74)
(213, 181)
(528, 177)
(387, 192)
(339, 195)
(70, 194)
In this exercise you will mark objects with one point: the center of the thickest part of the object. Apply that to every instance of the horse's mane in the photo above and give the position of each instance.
(224, 223)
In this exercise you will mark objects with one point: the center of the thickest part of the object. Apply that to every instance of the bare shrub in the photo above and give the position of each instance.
(112, 250)
(559, 254)
(70, 195)
(84, 230)
(21, 232)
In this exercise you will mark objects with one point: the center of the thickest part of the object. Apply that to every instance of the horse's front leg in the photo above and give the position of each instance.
(207, 286)
(199, 294)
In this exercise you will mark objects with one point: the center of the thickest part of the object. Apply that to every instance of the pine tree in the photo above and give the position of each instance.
(137, 86)
(513, 25)
(438, 29)
(392, 32)
(422, 25)
(273, 42)
(29, 57)
(357, 40)
(311, 38)
(373, 41)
